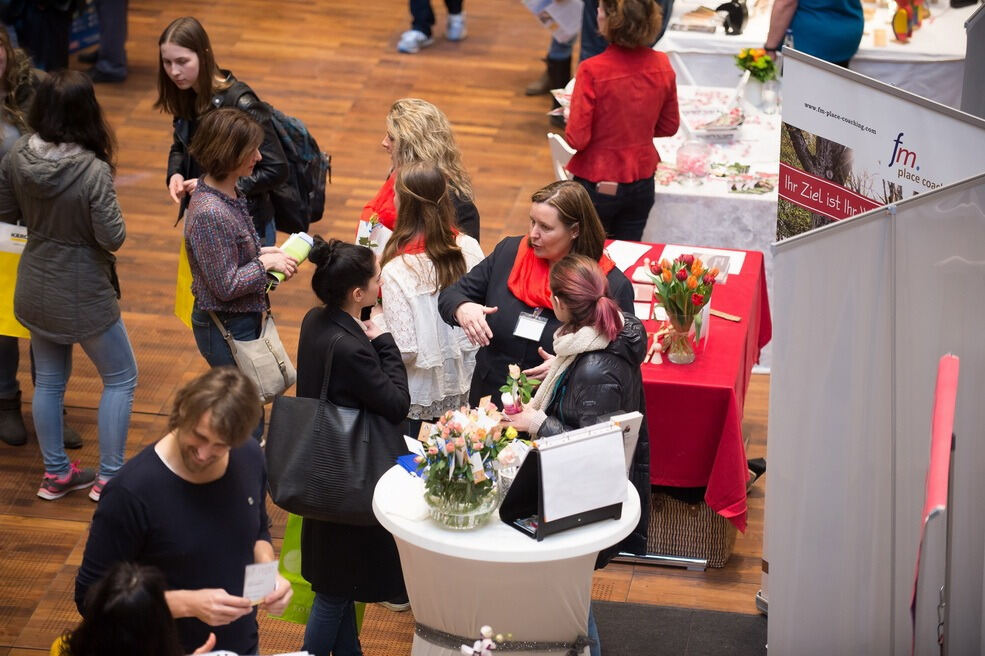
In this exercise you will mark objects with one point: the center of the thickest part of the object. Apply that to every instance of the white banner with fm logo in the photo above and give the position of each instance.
(850, 144)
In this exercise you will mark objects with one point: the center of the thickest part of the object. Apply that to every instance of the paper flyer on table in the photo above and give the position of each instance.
(735, 258)
(626, 253)
(564, 16)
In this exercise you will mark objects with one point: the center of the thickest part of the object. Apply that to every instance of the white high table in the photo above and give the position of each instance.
(458, 581)
(930, 65)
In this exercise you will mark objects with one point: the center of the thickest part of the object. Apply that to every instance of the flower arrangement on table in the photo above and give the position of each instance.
(683, 287)
(463, 452)
(755, 60)
(517, 390)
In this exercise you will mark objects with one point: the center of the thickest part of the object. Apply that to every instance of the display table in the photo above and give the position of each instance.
(458, 581)
(709, 213)
(694, 412)
(930, 65)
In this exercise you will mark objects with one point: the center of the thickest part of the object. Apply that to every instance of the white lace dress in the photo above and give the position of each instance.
(439, 358)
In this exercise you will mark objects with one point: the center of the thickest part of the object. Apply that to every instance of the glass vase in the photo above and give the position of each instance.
(461, 509)
(680, 339)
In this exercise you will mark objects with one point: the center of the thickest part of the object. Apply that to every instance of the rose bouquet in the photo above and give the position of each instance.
(461, 462)
(683, 287)
(517, 390)
(755, 60)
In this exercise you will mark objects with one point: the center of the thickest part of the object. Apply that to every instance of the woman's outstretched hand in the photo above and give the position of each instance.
(472, 318)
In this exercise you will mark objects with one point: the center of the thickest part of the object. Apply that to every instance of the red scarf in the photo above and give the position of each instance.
(530, 277)
(416, 245)
(382, 204)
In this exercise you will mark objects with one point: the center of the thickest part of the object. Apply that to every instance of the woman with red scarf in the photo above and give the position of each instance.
(417, 131)
(425, 254)
(504, 303)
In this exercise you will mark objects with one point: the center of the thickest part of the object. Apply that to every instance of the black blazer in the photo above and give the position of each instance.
(269, 173)
(486, 284)
(355, 562)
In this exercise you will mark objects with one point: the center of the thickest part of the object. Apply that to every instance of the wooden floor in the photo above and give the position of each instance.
(332, 64)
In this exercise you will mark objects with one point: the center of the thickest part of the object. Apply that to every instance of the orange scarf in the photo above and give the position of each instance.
(382, 204)
(530, 277)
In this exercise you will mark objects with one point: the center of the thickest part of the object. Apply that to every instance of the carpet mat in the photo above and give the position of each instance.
(644, 630)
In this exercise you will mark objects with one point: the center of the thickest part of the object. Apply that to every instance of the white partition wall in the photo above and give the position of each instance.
(863, 310)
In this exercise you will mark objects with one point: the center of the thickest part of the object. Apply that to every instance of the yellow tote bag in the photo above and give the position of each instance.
(13, 238)
(183, 299)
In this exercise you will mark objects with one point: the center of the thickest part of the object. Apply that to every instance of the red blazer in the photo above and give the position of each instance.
(623, 98)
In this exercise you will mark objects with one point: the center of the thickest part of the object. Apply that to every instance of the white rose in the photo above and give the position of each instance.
(514, 371)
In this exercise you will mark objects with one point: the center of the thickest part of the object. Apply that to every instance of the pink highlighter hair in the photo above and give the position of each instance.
(580, 283)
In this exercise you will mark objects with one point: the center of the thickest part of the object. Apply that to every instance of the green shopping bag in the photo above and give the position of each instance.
(290, 568)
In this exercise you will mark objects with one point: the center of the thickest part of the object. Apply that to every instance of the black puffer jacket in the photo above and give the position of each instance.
(599, 384)
(270, 172)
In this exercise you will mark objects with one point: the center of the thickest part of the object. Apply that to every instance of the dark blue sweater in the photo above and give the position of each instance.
(199, 535)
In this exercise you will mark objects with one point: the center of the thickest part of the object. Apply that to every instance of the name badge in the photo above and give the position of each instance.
(530, 326)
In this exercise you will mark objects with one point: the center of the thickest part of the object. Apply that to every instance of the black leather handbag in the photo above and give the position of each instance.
(324, 460)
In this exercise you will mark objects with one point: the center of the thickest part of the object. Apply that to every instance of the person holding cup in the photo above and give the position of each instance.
(229, 267)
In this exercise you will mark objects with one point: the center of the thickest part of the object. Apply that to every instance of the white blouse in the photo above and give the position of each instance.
(439, 358)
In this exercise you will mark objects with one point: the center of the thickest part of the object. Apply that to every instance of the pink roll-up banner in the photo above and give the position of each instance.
(941, 434)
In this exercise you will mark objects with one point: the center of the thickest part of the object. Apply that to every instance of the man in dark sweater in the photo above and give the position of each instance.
(194, 506)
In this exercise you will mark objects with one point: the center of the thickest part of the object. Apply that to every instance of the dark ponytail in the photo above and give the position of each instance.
(339, 267)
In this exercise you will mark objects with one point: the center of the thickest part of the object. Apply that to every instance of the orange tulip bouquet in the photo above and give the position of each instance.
(755, 60)
(683, 287)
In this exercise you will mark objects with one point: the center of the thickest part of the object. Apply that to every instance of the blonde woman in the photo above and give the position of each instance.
(425, 255)
(417, 131)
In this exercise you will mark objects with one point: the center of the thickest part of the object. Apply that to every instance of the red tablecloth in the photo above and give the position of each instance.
(694, 411)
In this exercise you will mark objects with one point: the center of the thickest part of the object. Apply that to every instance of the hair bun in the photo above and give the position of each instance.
(322, 251)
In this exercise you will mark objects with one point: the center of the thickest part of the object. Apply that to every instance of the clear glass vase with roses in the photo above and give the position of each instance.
(683, 287)
(461, 465)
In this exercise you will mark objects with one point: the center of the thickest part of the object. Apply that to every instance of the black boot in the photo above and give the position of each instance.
(558, 74)
(12, 430)
(70, 437)
(540, 86)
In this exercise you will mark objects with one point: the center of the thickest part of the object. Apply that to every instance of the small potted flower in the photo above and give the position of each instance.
(517, 390)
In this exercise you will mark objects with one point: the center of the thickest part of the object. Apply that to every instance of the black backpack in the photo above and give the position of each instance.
(300, 200)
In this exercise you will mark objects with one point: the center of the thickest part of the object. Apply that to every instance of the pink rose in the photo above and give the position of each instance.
(449, 447)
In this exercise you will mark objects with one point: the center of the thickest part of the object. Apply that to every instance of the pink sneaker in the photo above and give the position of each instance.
(97, 488)
(55, 487)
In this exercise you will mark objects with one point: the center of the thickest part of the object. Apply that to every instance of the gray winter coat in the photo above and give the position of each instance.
(67, 288)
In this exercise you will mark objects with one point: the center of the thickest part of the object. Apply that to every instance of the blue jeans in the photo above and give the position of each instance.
(212, 345)
(593, 633)
(110, 351)
(10, 357)
(423, 15)
(331, 628)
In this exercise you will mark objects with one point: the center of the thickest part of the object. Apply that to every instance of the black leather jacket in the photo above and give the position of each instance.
(599, 384)
(270, 171)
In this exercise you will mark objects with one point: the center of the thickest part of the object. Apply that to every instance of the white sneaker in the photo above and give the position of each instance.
(455, 28)
(412, 41)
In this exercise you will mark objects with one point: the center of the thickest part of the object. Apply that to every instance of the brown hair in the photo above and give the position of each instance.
(420, 132)
(424, 210)
(231, 396)
(16, 76)
(223, 140)
(187, 32)
(65, 110)
(574, 208)
(580, 283)
(631, 23)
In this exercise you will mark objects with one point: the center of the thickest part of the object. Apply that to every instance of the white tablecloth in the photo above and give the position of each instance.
(931, 64)
(458, 581)
(709, 214)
